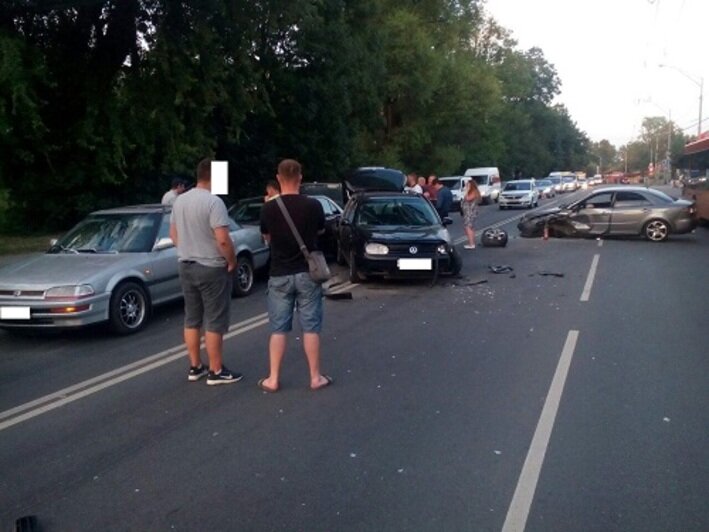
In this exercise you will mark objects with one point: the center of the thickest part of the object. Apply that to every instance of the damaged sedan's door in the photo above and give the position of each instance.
(592, 215)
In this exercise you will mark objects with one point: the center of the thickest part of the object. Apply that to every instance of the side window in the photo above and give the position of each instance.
(598, 201)
(630, 199)
(326, 207)
(164, 230)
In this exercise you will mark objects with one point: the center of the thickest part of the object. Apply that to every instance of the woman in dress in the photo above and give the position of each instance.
(469, 208)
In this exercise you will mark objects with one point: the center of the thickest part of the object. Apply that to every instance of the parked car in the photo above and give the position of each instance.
(247, 211)
(388, 233)
(519, 193)
(488, 180)
(545, 188)
(557, 183)
(457, 186)
(615, 211)
(114, 266)
(334, 191)
(569, 184)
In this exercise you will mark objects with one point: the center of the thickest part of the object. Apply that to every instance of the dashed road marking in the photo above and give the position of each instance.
(586, 294)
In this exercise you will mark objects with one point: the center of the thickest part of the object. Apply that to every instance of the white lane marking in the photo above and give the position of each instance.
(517, 514)
(600, 243)
(118, 375)
(586, 294)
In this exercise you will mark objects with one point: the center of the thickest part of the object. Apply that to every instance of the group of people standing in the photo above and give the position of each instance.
(199, 227)
(442, 199)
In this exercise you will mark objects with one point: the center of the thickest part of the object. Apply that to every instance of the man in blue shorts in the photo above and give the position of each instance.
(199, 227)
(290, 285)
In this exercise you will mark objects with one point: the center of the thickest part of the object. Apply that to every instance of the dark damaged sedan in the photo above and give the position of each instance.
(611, 211)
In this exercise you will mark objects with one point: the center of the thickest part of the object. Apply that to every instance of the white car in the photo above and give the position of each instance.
(520, 193)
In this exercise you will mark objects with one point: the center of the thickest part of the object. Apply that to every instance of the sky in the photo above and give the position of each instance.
(607, 55)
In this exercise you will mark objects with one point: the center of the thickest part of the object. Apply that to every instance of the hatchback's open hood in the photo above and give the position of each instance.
(375, 179)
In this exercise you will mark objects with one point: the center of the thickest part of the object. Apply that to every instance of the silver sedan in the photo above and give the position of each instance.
(113, 266)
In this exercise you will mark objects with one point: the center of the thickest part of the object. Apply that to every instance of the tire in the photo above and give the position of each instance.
(496, 238)
(243, 277)
(502, 208)
(353, 274)
(456, 263)
(129, 308)
(656, 230)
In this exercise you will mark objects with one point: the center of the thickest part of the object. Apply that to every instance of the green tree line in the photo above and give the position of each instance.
(101, 102)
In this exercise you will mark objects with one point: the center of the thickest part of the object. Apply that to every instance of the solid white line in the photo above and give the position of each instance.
(586, 294)
(118, 375)
(517, 514)
(61, 400)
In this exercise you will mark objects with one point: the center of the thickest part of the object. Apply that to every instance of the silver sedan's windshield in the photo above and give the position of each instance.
(110, 233)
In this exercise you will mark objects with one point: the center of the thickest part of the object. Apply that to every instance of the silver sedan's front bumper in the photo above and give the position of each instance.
(41, 313)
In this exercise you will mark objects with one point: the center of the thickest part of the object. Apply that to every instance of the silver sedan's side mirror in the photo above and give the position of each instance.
(163, 243)
(53, 242)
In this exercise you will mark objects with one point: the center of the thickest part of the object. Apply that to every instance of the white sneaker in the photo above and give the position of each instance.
(468, 246)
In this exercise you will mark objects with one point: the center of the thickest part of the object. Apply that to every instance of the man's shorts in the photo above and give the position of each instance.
(288, 292)
(207, 293)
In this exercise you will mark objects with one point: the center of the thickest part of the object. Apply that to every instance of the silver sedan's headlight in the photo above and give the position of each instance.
(374, 248)
(69, 292)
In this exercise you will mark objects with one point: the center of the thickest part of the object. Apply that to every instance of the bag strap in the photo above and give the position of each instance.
(294, 230)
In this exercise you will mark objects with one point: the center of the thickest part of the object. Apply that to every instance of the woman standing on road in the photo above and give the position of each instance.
(469, 210)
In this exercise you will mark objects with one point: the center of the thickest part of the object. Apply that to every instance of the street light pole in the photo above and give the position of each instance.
(700, 84)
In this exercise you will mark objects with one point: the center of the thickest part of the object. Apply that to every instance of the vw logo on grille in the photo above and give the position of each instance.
(413, 250)
(17, 293)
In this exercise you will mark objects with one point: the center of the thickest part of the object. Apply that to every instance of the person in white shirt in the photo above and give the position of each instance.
(412, 184)
(178, 187)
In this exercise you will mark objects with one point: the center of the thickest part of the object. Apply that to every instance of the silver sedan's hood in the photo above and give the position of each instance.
(61, 269)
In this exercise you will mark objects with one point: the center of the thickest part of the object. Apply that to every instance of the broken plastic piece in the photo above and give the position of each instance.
(501, 269)
(553, 274)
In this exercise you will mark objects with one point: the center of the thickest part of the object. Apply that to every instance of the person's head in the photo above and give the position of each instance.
(179, 185)
(435, 182)
(204, 172)
(412, 179)
(431, 179)
(472, 188)
(289, 174)
(272, 188)
(421, 180)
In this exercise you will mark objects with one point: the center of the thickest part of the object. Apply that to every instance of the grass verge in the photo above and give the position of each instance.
(11, 245)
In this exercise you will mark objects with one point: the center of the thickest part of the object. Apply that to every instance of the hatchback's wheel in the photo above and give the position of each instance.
(656, 230)
(129, 308)
(243, 280)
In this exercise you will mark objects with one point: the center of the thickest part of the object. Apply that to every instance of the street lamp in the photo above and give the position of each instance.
(700, 84)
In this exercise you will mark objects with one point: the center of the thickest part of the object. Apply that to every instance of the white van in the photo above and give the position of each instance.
(488, 180)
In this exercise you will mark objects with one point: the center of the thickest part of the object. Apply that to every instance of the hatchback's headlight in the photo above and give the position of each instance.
(70, 292)
(374, 248)
(442, 249)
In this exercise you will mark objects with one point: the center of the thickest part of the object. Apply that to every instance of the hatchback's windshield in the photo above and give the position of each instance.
(409, 211)
(111, 233)
(518, 185)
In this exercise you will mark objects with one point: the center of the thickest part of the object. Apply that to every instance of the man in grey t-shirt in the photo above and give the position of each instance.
(199, 227)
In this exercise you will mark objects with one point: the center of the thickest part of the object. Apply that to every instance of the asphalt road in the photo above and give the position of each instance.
(528, 401)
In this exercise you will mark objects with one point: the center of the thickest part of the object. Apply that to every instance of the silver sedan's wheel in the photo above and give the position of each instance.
(657, 230)
(243, 280)
(128, 308)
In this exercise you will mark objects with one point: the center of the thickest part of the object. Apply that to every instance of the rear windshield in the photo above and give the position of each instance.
(660, 196)
(402, 211)
(453, 184)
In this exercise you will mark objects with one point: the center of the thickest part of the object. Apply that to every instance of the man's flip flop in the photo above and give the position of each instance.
(328, 381)
(266, 388)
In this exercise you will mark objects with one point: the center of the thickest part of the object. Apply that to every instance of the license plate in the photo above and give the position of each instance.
(14, 313)
(414, 264)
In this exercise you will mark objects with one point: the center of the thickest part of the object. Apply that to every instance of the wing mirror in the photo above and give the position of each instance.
(163, 243)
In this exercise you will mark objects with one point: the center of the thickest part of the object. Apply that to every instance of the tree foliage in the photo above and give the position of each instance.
(102, 101)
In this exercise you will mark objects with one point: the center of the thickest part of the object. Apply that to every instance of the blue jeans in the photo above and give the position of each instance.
(288, 292)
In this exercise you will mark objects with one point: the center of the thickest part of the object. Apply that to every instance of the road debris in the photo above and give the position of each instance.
(505, 268)
(545, 273)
